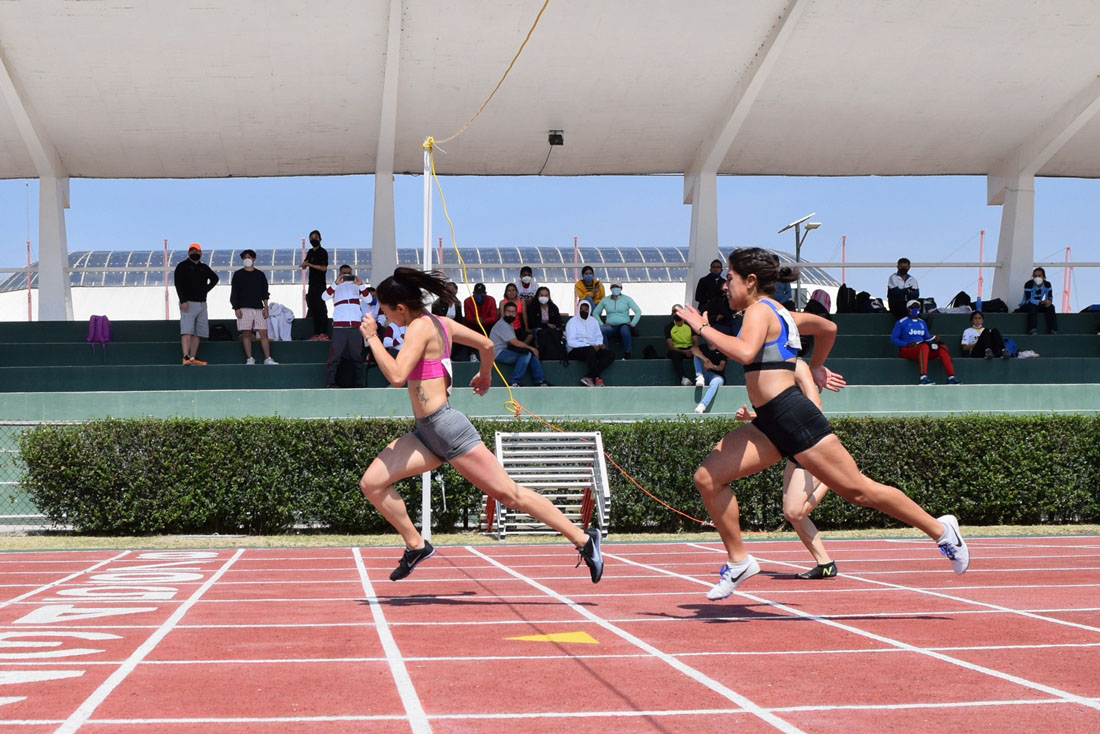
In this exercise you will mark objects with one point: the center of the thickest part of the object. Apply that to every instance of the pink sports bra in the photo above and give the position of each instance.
(427, 369)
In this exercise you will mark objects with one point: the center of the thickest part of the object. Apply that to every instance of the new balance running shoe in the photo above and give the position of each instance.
(410, 559)
(591, 555)
(820, 571)
(730, 577)
(951, 545)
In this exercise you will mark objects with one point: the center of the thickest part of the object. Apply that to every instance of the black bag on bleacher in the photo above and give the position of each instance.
(846, 300)
(994, 305)
(962, 298)
(550, 345)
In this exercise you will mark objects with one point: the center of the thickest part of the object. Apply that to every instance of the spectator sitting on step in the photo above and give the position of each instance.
(979, 342)
(916, 342)
(588, 287)
(511, 295)
(1038, 297)
(393, 337)
(508, 349)
(528, 286)
(709, 286)
(480, 305)
(543, 313)
(681, 342)
(711, 365)
(901, 287)
(347, 295)
(450, 309)
(248, 297)
(615, 311)
(584, 340)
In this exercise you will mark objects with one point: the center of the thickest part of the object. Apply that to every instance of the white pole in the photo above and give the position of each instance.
(426, 477)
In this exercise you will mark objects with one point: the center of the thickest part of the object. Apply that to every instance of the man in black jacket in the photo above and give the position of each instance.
(316, 261)
(709, 286)
(248, 296)
(194, 279)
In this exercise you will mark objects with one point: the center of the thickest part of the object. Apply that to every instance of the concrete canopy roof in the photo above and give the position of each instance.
(213, 88)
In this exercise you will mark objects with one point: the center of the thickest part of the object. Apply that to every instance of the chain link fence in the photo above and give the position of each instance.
(17, 510)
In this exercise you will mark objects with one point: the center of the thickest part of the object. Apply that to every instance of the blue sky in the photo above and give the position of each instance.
(924, 218)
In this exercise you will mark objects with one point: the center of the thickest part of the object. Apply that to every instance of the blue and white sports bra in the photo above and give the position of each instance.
(778, 354)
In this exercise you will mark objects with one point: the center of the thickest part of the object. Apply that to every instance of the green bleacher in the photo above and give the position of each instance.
(145, 356)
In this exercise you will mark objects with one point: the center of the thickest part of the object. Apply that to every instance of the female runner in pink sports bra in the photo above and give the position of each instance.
(442, 433)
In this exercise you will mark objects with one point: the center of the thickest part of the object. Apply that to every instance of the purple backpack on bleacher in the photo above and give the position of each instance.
(99, 332)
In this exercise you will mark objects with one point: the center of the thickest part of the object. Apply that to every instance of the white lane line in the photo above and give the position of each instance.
(414, 711)
(542, 715)
(80, 717)
(70, 577)
(1050, 690)
(727, 693)
(987, 606)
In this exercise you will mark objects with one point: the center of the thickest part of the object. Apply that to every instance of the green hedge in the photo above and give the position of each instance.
(266, 475)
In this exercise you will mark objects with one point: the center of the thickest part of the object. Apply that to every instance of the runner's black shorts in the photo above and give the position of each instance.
(791, 422)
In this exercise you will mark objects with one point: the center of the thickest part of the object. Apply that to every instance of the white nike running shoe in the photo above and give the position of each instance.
(730, 577)
(952, 545)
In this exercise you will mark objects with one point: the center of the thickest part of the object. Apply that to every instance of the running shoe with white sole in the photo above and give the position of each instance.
(591, 555)
(730, 577)
(952, 545)
(410, 559)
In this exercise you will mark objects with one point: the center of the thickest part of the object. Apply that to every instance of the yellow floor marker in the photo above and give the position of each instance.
(580, 637)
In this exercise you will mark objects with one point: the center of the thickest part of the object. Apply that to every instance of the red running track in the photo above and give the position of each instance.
(274, 641)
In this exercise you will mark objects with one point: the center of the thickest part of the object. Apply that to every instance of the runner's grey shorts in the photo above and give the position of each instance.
(447, 433)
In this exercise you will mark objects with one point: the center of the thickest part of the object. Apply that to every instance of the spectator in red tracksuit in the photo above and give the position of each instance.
(915, 341)
(480, 305)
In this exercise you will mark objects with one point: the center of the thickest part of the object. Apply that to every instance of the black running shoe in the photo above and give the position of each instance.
(410, 559)
(826, 571)
(591, 555)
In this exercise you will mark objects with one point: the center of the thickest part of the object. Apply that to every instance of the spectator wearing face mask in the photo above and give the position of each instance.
(248, 296)
(588, 287)
(901, 287)
(543, 313)
(620, 315)
(316, 261)
(511, 295)
(584, 340)
(194, 279)
(508, 349)
(527, 285)
(916, 342)
(978, 341)
(709, 286)
(681, 343)
(1038, 298)
(480, 305)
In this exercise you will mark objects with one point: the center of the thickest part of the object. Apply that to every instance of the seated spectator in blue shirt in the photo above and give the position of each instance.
(617, 319)
(915, 341)
(510, 350)
(1039, 297)
(901, 287)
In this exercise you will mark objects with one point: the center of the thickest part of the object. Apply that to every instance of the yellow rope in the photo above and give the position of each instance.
(490, 97)
(511, 405)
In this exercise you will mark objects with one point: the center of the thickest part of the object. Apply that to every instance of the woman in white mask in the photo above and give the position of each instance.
(1039, 297)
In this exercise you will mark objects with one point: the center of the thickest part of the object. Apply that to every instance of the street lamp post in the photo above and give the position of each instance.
(799, 238)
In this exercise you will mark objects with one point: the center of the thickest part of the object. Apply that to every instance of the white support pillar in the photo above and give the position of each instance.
(1011, 183)
(703, 242)
(700, 179)
(55, 301)
(384, 236)
(1016, 242)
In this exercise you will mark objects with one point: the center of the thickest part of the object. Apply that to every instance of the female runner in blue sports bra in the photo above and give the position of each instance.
(787, 423)
(442, 434)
